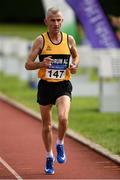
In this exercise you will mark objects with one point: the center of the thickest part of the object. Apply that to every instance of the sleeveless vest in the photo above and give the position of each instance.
(59, 69)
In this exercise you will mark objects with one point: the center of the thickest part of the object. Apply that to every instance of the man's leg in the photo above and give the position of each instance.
(47, 137)
(63, 106)
(46, 130)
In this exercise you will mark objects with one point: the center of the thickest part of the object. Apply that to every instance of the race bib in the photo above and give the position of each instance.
(55, 74)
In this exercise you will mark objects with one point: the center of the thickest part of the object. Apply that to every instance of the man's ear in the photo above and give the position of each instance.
(45, 21)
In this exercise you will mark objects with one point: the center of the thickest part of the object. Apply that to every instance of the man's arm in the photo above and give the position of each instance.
(31, 64)
(35, 51)
(74, 54)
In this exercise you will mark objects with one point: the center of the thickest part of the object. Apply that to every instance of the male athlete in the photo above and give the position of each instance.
(54, 49)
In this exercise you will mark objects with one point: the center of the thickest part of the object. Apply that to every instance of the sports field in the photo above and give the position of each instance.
(22, 151)
(85, 118)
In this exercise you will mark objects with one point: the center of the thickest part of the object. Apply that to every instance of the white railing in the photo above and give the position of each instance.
(106, 60)
(13, 54)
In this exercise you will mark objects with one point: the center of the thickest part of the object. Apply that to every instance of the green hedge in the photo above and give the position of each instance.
(21, 11)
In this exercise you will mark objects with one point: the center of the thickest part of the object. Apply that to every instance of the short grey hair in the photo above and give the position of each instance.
(53, 10)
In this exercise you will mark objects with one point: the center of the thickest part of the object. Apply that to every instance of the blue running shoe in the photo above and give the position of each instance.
(49, 169)
(61, 157)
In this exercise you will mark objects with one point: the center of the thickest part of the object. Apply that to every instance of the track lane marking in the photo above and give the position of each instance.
(10, 169)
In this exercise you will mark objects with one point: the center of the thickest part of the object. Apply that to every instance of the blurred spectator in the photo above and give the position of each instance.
(115, 22)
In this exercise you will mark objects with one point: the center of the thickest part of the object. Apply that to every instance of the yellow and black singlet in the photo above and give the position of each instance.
(59, 70)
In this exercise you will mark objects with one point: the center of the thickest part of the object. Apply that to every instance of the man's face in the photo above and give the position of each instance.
(53, 22)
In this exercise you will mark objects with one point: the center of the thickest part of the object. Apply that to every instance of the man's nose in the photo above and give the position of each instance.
(56, 22)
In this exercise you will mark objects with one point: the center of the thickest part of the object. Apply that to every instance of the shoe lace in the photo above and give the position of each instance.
(60, 150)
(49, 163)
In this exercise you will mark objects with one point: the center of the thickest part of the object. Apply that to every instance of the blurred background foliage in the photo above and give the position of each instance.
(28, 11)
(21, 11)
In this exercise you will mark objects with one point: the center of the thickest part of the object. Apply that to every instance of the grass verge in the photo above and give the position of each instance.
(27, 31)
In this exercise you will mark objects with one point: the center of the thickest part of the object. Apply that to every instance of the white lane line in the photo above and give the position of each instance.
(10, 169)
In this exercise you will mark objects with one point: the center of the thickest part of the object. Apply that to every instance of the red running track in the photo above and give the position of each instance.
(22, 148)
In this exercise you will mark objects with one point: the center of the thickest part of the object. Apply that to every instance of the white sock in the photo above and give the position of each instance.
(60, 141)
(49, 154)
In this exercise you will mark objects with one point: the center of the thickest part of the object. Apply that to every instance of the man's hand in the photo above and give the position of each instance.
(73, 68)
(47, 62)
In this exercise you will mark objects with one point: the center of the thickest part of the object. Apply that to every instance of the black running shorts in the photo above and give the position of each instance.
(48, 92)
